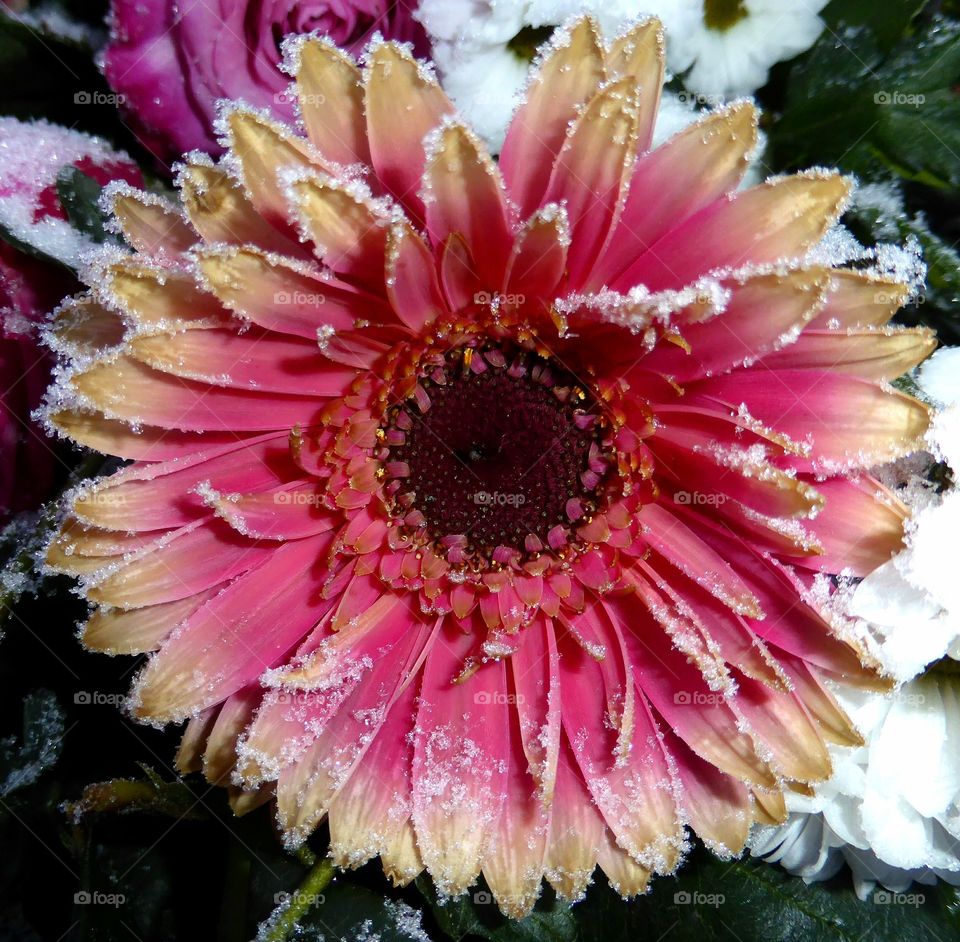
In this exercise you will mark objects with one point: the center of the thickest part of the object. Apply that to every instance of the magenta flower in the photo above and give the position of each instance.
(172, 62)
(474, 507)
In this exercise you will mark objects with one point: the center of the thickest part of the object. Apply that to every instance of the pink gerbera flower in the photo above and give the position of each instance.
(475, 508)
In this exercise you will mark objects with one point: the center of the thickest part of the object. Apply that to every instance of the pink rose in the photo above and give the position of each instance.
(171, 62)
(32, 154)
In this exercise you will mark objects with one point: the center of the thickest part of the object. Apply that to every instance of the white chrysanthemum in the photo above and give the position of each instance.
(891, 810)
(483, 49)
(728, 46)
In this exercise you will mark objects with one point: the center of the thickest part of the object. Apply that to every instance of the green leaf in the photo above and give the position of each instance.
(343, 912)
(936, 307)
(80, 197)
(21, 764)
(852, 106)
(476, 915)
(153, 795)
(725, 901)
(888, 21)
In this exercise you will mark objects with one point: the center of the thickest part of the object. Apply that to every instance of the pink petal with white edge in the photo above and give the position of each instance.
(370, 815)
(124, 388)
(411, 277)
(235, 637)
(860, 528)
(848, 422)
(539, 255)
(255, 360)
(763, 313)
(591, 174)
(403, 104)
(306, 788)
(715, 150)
(567, 78)
(463, 192)
(778, 219)
(459, 763)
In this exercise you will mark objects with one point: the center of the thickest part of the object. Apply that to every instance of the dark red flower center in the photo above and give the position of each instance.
(497, 448)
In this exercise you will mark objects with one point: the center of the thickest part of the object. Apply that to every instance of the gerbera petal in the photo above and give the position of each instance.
(577, 832)
(124, 388)
(868, 353)
(716, 150)
(847, 422)
(458, 763)
(539, 255)
(411, 277)
(139, 630)
(254, 359)
(215, 653)
(165, 494)
(568, 76)
(135, 442)
(82, 327)
(638, 54)
(860, 299)
(220, 211)
(330, 92)
(347, 229)
(717, 805)
(150, 225)
(860, 528)
(183, 563)
(764, 313)
(592, 171)
(778, 219)
(280, 294)
(263, 148)
(370, 815)
(463, 193)
(403, 103)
